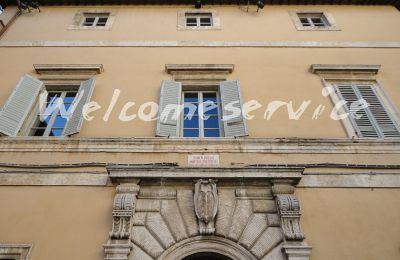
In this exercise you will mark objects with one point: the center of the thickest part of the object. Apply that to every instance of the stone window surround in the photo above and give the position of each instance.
(181, 25)
(15, 251)
(294, 15)
(354, 74)
(80, 17)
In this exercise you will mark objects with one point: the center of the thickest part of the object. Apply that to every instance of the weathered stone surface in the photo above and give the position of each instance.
(264, 206)
(273, 220)
(173, 218)
(139, 254)
(257, 224)
(186, 205)
(243, 211)
(270, 238)
(147, 205)
(156, 225)
(275, 254)
(139, 219)
(145, 240)
(226, 206)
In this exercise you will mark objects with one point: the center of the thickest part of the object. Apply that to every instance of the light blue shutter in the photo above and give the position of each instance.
(170, 94)
(19, 104)
(230, 94)
(75, 121)
(374, 121)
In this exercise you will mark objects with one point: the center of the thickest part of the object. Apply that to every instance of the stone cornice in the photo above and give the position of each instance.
(251, 44)
(121, 173)
(344, 68)
(187, 145)
(68, 68)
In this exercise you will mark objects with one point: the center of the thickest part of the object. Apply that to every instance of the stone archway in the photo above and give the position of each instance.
(208, 256)
(209, 244)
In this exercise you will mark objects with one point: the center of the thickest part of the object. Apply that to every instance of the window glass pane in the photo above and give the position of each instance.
(211, 122)
(102, 21)
(210, 96)
(89, 21)
(191, 109)
(38, 131)
(56, 132)
(60, 122)
(191, 97)
(205, 21)
(191, 122)
(190, 133)
(211, 133)
(191, 21)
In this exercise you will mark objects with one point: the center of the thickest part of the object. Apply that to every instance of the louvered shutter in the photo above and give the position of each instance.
(83, 96)
(170, 96)
(230, 94)
(374, 121)
(19, 104)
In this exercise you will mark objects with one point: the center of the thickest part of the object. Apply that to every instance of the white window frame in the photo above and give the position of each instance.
(96, 18)
(201, 113)
(327, 17)
(54, 114)
(80, 17)
(183, 14)
(349, 125)
(197, 17)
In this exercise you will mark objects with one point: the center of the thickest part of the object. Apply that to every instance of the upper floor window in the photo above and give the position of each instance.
(313, 21)
(53, 121)
(199, 19)
(95, 19)
(201, 117)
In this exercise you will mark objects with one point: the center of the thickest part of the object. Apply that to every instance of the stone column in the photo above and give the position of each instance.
(288, 206)
(119, 246)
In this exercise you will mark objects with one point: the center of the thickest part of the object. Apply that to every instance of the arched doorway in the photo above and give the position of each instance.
(206, 256)
(206, 248)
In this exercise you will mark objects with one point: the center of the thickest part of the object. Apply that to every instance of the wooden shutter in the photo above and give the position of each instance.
(19, 104)
(374, 121)
(230, 94)
(170, 94)
(75, 120)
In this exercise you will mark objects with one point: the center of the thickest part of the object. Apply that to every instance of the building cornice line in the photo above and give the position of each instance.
(251, 44)
(187, 145)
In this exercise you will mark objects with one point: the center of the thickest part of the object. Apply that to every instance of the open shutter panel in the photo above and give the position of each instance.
(170, 94)
(230, 94)
(364, 125)
(19, 104)
(381, 117)
(83, 96)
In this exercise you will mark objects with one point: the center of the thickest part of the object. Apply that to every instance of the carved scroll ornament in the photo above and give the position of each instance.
(206, 205)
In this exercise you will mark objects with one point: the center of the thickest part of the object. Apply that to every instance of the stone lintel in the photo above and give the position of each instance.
(344, 68)
(68, 68)
(199, 68)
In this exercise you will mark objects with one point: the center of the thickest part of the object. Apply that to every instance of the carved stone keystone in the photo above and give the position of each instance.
(206, 205)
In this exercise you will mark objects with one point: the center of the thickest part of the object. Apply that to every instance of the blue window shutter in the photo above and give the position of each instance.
(170, 94)
(75, 121)
(19, 104)
(230, 94)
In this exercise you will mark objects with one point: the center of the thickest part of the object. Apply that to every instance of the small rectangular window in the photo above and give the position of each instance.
(95, 19)
(313, 19)
(199, 19)
(201, 116)
(53, 119)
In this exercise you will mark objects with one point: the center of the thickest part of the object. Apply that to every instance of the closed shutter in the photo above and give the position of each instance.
(230, 94)
(83, 96)
(19, 104)
(374, 121)
(170, 97)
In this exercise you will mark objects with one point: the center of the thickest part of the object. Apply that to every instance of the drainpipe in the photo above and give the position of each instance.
(12, 20)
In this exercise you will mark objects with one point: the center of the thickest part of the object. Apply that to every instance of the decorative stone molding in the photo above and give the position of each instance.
(198, 68)
(289, 211)
(216, 21)
(297, 251)
(344, 68)
(80, 17)
(68, 68)
(15, 251)
(119, 245)
(206, 205)
(333, 26)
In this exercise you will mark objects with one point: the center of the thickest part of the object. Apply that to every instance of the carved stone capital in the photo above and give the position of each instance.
(289, 211)
(206, 205)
